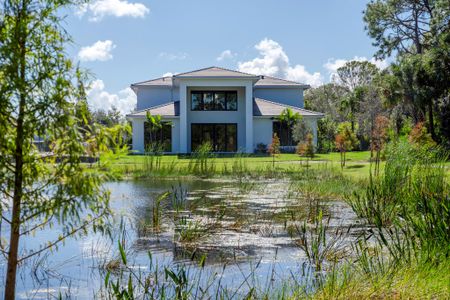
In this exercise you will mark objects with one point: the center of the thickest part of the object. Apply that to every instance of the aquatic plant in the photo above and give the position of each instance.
(318, 243)
(409, 205)
(201, 162)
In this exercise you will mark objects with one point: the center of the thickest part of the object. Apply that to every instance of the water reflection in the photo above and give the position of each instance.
(238, 224)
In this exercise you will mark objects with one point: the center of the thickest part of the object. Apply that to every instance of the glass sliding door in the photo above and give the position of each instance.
(222, 136)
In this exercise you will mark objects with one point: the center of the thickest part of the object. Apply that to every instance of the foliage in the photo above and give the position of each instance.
(418, 31)
(261, 148)
(379, 139)
(409, 204)
(306, 147)
(39, 91)
(345, 140)
(354, 74)
(326, 131)
(326, 99)
(274, 148)
(289, 119)
(300, 130)
(420, 137)
(405, 26)
(108, 118)
(202, 164)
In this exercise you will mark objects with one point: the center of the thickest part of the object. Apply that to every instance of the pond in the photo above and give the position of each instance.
(246, 233)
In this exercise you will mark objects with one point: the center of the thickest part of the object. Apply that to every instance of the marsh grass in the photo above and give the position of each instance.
(409, 205)
(318, 243)
(403, 253)
(201, 162)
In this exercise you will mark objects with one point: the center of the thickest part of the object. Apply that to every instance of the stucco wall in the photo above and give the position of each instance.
(289, 96)
(152, 96)
(237, 117)
(262, 131)
(138, 135)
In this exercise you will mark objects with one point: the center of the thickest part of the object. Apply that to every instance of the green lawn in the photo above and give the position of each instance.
(357, 165)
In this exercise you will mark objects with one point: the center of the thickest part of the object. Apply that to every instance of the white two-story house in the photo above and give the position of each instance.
(232, 110)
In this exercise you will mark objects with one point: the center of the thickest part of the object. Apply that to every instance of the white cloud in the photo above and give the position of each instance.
(173, 56)
(333, 64)
(273, 61)
(226, 54)
(98, 9)
(99, 98)
(100, 50)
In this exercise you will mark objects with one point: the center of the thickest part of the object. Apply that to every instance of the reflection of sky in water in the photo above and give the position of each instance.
(251, 235)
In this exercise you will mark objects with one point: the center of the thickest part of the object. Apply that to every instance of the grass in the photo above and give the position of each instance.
(403, 254)
(358, 165)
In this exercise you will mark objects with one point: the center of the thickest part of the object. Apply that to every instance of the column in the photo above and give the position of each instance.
(249, 118)
(138, 135)
(183, 118)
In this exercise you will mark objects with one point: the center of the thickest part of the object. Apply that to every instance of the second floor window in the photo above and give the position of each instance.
(212, 100)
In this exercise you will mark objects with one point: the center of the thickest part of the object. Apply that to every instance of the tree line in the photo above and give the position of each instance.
(412, 93)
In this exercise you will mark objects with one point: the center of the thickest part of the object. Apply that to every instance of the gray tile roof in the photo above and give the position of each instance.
(215, 72)
(218, 72)
(261, 107)
(268, 81)
(170, 109)
(163, 81)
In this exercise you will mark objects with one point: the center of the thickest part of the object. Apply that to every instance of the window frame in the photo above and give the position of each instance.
(214, 136)
(202, 103)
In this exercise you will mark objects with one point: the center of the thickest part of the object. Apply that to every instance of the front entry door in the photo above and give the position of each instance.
(222, 136)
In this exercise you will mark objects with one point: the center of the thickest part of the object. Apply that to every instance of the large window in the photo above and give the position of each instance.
(223, 137)
(284, 133)
(158, 136)
(209, 100)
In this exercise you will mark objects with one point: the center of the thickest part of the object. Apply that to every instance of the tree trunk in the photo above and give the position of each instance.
(10, 286)
(431, 121)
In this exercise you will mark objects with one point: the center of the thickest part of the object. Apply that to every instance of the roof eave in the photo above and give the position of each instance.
(275, 86)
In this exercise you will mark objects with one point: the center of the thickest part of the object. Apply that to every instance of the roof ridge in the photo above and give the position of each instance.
(153, 107)
(211, 67)
(288, 106)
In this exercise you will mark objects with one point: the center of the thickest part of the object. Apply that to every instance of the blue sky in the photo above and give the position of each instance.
(125, 41)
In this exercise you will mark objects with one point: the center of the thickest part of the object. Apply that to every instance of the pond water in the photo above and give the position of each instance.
(249, 227)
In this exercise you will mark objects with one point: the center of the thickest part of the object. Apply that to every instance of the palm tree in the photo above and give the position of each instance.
(289, 118)
(155, 124)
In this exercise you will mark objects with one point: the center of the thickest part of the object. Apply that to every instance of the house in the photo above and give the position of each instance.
(233, 110)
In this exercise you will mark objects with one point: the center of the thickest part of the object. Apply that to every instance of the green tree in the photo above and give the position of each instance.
(38, 93)
(155, 125)
(288, 118)
(355, 76)
(301, 130)
(345, 141)
(326, 131)
(405, 26)
(414, 28)
(108, 118)
(326, 99)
